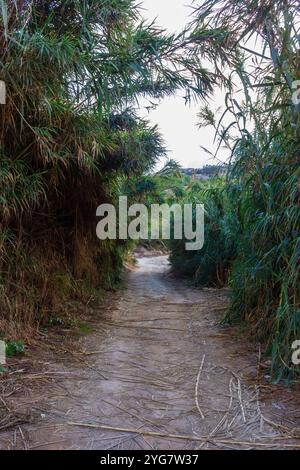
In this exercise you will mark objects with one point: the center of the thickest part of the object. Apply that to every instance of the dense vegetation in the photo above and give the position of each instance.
(253, 215)
(75, 71)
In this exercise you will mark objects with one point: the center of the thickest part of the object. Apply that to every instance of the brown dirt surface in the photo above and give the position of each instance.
(157, 372)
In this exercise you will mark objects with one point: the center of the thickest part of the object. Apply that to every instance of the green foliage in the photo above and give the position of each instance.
(56, 321)
(209, 266)
(253, 219)
(70, 139)
(15, 348)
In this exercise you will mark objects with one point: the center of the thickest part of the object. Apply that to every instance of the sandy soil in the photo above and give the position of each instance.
(159, 373)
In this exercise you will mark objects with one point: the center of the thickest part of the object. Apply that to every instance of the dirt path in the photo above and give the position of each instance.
(160, 363)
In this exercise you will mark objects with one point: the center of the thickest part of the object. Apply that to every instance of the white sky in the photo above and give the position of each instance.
(177, 121)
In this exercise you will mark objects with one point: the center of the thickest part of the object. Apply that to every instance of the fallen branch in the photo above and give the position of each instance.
(182, 436)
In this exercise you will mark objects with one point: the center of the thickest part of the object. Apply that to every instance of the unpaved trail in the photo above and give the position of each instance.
(159, 362)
